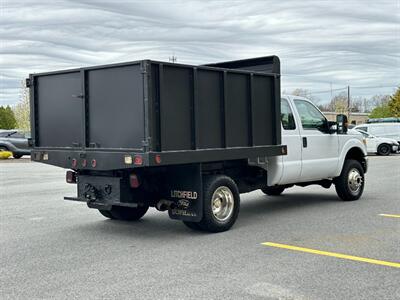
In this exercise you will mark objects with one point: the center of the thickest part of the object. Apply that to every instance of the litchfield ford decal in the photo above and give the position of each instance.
(184, 194)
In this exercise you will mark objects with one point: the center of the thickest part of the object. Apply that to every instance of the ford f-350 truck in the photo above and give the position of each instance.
(187, 139)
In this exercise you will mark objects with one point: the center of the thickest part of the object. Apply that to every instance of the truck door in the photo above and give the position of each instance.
(319, 149)
(291, 138)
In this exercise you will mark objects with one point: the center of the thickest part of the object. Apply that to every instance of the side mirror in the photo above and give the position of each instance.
(342, 123)
(332, 127)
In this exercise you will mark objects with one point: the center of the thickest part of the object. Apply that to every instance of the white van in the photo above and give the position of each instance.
(387, 130)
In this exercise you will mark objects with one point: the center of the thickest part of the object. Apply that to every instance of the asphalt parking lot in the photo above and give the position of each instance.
(51, 248)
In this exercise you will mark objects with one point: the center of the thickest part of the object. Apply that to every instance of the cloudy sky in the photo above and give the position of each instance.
(322, 44)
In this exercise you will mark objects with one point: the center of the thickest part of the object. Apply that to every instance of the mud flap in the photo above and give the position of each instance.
(184, 187)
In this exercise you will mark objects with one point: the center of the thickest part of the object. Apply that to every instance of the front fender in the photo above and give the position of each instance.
(9, 146)
(350, 148)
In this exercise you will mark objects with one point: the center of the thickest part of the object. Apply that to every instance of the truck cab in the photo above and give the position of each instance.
(316, 152)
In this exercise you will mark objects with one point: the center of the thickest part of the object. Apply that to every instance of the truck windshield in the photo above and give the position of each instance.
(311, 117)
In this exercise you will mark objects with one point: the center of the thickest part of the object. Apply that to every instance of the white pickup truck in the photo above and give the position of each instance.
(187, 139)
(317, 154)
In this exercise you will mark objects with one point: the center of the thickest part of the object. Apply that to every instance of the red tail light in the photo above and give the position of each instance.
(138, 160)
(71, 177)
(94, 163)
(74, 163)
(134, 181)
(84, 163)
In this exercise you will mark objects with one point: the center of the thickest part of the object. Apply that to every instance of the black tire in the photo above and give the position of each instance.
(124, 213)
(106, 213)
(273, 190)
(17, 156)
(384, 149)
(342, 183)
(192, 225)
(210, 222)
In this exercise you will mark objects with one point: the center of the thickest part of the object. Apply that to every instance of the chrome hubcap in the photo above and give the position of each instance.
(222, 203)
(355, 181)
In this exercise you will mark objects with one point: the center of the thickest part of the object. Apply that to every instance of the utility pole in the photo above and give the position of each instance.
(173, 59)
(348, 102)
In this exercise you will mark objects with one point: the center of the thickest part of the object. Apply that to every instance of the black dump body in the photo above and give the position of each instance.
(156, 113)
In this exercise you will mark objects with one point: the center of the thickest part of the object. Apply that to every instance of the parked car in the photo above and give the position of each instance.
(385, 130)
(16, 142)
(379, 145)
(383, 120)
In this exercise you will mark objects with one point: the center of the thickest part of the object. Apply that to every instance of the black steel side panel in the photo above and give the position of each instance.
(175, 104)
(263, 111)
(115, 107)
(59, 110)
(236, 110)
(210, 109)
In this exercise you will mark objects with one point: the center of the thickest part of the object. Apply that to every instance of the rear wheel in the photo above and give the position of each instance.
(384, 149)
(125, 213)
(350, 184)
(273, 190)
(221, 203)
(106, 213)
(192, 225)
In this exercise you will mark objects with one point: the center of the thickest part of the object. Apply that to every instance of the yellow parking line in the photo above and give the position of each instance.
(390, 216)
(333, 254)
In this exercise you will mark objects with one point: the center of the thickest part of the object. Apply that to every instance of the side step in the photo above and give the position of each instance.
(100, 205)
(75, 199)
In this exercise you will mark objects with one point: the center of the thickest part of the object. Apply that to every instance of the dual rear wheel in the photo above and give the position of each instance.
(125, 213)
(221, 204)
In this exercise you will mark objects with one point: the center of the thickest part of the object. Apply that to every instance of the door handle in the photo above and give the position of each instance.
(304, 142)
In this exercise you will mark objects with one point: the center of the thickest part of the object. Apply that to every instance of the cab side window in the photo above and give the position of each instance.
(363, 128)
(311, 117)
(287, 118)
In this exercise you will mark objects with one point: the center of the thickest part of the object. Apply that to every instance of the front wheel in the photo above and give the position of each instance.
(350, 184)
(221, 204)
(17, 156)
(125, 213)
(384, 149)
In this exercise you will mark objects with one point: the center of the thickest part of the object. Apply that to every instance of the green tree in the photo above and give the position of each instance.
(381, 111)
(7, 118)
(21, 110)
(394, 104)
(390, 107)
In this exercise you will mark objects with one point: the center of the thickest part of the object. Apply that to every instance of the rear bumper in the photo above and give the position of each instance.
(103, 192)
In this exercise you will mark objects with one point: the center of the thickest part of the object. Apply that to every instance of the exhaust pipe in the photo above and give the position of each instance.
(164, 205)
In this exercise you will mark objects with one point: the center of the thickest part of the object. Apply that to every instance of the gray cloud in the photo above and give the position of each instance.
(319, 42)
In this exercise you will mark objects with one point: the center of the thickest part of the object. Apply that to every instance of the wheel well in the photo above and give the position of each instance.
(357, 154)
(384, 143)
